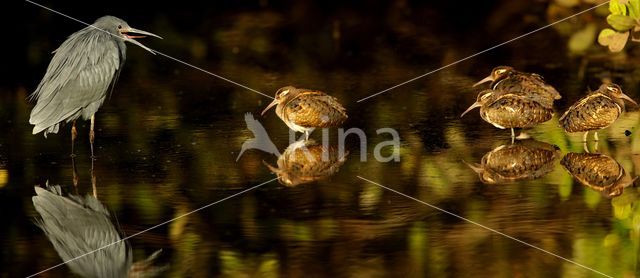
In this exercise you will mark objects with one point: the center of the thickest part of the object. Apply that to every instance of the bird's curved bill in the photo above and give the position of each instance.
(485, 80)
(272, 104)
(130, 37)
(473, 106)
(626, 97)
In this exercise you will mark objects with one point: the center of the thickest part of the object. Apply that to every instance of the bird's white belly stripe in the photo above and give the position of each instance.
(297, 128)
(498, 126)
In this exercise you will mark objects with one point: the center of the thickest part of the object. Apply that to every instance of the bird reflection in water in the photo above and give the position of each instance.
(78, 225)
(307, 161)
(526, 159)
(598, 172)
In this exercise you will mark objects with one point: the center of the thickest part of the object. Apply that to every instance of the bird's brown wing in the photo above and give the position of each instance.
(592, 112)
(77, 78)
(529, 85)
(538, 80)
(315, 109)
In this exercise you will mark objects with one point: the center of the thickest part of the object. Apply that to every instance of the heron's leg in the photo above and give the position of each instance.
(92, 135)
(93, 181)
(584, 137)
(74, 135)
(75, 173)
(595, 136)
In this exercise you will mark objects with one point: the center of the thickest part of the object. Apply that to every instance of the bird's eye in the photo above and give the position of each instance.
(119, 26)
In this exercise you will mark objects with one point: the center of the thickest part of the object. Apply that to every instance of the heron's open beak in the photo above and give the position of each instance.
(474, 105)
(272, 104)
(485, 80)
(130, 38)
(626, 97)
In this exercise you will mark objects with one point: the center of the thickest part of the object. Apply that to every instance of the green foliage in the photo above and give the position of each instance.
(617, 7)
(612, 39)
(621, 22)
(624, 18)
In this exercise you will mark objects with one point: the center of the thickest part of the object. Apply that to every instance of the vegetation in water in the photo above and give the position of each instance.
(624, 21)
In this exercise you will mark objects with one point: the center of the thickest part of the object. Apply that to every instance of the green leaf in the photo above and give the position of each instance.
(617, 8)
(583, 39)
(621, 22)
(634, 9)
(612, 39)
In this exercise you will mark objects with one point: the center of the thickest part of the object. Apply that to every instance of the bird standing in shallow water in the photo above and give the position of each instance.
(507, 79)
(597, 110)
(303, 110)
(80, 74)
(510, 110)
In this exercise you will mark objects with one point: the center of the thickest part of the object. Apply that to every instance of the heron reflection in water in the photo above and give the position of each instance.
(77, 226)
(307, 161)
(526, 159)
(598, 172)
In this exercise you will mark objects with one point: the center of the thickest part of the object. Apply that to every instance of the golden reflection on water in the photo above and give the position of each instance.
(4, 177)
(307, 161)
(598, 172)
(528, 159)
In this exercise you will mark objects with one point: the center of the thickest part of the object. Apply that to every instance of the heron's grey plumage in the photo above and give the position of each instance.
(77, 225)
(80, 73)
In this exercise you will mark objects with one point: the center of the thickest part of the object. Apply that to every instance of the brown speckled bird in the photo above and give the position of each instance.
(597, 110)
(303, 110)
(307, 161)
(507, 79)
(509, 110)
(598, 172)
(529, 159)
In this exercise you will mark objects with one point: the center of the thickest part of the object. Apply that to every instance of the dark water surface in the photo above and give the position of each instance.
(168, 138)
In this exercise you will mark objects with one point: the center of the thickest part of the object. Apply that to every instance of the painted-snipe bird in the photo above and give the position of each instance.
(527, 159)
(509, 110)
(81, 72)
(596, 111)
(303, 110)
(598, 172)
(505, 78)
